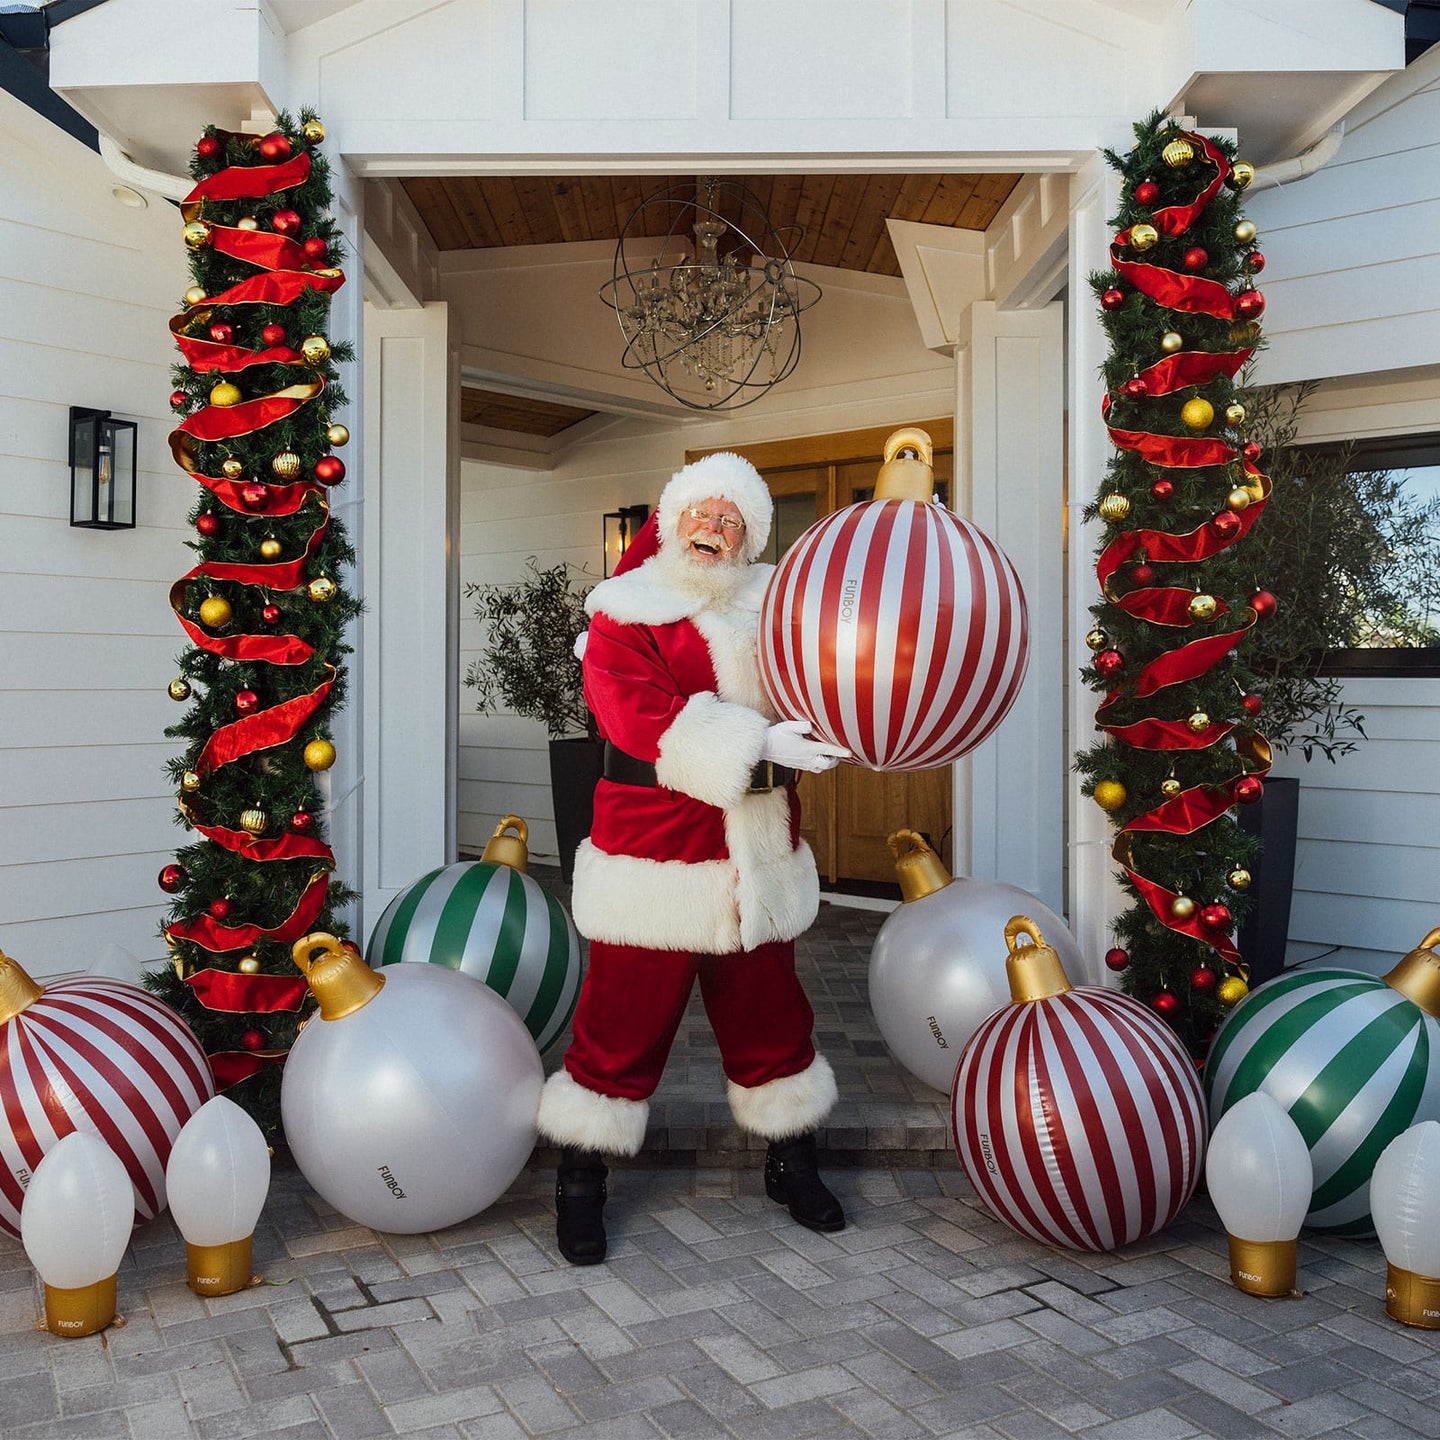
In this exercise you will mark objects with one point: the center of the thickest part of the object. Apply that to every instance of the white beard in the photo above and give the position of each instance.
(714, 583)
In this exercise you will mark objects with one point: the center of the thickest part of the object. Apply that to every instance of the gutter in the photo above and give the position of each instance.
(1285, 172)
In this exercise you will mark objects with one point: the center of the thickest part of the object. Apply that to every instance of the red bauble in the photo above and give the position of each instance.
(273, 335)
(302, 822)
(315, 248)
(207, 522)
(1251, 704)
(1166, 1003)
(254, 495)
(1109, 663)
(1112, 299)
(330, 469)
(285, 222)
(1249, 305)
(270, 614)
(1252, 450)
(1116, 958)
(207, 147)
(1147, 192)
(247, 702)
(1215, 917)
(221, 333)
(253, 1040)
(1248, 789)
(178, 399)
(220, 907)
(1136, 388)
(1196, 258)
(1254, 262)
(1226, 524)
(1203, 979)
(1262, 602)
(1163, 489)
(1142, 574)
(275, 146)
(172, 879)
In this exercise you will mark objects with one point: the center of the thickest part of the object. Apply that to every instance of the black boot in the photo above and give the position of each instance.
(580, 1193)
(790, 1178)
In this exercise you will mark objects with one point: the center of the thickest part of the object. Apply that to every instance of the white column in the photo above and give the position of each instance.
(408, 656)
(1012, 390)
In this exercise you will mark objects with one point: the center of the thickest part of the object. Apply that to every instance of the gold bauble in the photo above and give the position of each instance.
(196, 295)
(337, 434)
(322, 589)
(1231, 991)
(1245, 231)
(286, 465)
(1198, 722)
(1182, 907)
(1142, 237)
(249, 966)
(319, 755)
(1169, 787)
(1234, 413)
(189, 782)
(1238, 879)
(315, 349)
(196, 235)
(1202, 607)
(1097, 639)
(1196, 414)
(232, 468)
(1178, 153)
(1114, 507)
(1238, 499)
(1242, 172)
(1171, 341)
(254, 821)
(1109, 794)
(270, 548)
(314, 132)
(226, 394)
(215, 611)
(247, 222)
(1244, 332)
(178, 689)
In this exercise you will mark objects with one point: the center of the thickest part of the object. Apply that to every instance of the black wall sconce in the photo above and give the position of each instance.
(102, 470)
(620, 528)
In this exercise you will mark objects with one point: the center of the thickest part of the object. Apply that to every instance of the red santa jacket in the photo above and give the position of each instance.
(697, 862)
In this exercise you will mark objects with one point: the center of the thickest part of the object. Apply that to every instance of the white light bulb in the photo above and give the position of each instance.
(75, 1224)
(217, 1178)
(1260, 1177)
(1405, 1205)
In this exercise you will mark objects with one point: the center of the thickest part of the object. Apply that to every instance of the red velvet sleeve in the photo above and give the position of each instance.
(628, 687)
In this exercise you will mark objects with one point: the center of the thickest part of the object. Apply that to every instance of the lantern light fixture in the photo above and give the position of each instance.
(102, 470)
(620, 528)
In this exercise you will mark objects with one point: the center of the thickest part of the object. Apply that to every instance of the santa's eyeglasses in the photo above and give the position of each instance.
(706, 517)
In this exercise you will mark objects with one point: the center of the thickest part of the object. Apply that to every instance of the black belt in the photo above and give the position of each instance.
(628, 770)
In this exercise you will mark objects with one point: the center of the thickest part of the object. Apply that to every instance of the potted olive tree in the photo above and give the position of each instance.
(528, 667)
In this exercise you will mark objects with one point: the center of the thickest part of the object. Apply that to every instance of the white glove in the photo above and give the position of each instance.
(788, 742)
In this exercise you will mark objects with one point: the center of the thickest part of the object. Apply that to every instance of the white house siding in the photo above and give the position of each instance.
(87, 638)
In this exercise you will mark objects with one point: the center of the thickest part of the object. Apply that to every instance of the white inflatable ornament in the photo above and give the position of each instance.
(409, 1100)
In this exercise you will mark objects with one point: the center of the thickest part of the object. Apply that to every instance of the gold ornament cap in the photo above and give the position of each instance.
(1034, 970)
(1262, 1267)
(82, 1311)
(341, 981)
(17, 990)
(908, 472)
(220, 1269)
(1412, 1299)
(511, 850)
(919, 869)
(1417, 976)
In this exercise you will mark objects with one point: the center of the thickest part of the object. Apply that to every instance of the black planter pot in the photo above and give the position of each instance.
(1274, 819)
(574, 769)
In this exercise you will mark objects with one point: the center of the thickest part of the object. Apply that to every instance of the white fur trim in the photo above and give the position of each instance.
(781, 1109)
(659, 904)
(777, 889)
(732, 636)
(572, 1115)
(721, 476)
(648, 595)
(709, 750)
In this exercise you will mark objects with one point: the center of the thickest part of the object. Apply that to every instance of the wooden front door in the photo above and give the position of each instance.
(848, 812)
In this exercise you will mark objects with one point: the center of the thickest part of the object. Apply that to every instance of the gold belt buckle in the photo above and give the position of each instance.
(769, 783)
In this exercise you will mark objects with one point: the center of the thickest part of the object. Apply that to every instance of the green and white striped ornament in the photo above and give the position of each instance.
(495, 923)
(1353, 1059)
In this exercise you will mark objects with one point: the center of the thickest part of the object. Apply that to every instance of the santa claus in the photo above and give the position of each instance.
(694, 868)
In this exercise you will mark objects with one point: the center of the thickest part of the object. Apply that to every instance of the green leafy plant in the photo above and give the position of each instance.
(528, 665)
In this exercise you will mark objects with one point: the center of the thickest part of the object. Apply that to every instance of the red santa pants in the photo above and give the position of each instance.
(633, 1000)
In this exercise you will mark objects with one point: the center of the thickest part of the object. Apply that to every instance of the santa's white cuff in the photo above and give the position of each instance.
(710, 750)
(781, 1109)
(570, 1114)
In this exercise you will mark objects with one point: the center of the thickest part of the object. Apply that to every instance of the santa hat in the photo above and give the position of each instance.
(721, 476)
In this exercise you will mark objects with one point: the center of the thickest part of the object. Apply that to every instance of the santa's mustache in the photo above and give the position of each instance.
(719, 541)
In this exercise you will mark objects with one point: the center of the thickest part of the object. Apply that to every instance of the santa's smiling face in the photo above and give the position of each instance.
(712, 532)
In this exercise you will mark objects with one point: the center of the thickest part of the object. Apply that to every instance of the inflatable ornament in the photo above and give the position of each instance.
(487, 918)
(936, 970)
(1405, 1200)
(1077, 1113)
(97, 1055)
(1353, 1059)
(895, 627)
(409, 1100)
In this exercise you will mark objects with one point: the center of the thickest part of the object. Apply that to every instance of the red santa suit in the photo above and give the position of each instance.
(692, 870)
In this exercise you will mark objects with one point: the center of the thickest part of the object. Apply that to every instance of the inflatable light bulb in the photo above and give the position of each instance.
(1260, 1176)
(75, 1224)
(217, 1178)
(1405, 1203)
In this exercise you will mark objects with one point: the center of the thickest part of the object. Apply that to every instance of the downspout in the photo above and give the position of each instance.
(157, 182)
(1282, 172)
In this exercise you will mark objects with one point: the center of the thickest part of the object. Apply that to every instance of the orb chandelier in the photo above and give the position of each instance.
(707, 296)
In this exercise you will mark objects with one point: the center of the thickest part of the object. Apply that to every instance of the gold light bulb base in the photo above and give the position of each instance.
(17, 990)
(1412, 1299)
(1034, 970)
(908, 472)
(918, 868)
(505, 849)
(85, 1310)
(341, 981)
(1417, 976)
(220, 1269)
(1262, 1267)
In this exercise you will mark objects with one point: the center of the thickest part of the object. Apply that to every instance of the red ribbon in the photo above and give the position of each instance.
(209, 934)
(230, 1067)
(1192, 367)
(276, 287)
(241, 842)
(272, 649)
(1177, 219)
(1163, 606)
(204, 356)
(262, 731)
(241, 994)
(247, 182)
(262, 248)
(224, 422)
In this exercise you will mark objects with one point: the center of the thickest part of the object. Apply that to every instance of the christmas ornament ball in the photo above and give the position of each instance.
(1109, 663)
(221, 333)
(1136, 387)
(1096, 639)
(196, 235)
(302, 822)
(1252, 704)
(286, 465)
(178, 689)
(1147, 192)
(1166, 1003)
(286, 222)
(1197, 722)
(273, 335)
(313, 131)
(275, 145)
(315, 349)
(1248, 789)
(231, 468)
(1112, 299)
(270, 614)
(254, 496)
(1170, 787)
(1231, 991)
(247, 222)
(1182, 908)
(1143, 237)
(1263, 603)
(1196, 258)
(1238, 879)
(410, 1103)
(322, 589)
(1163, 489)
(208, 522)
(1203, 607)
(178, 399)
(1242, 172)
(1239, 499)
(215, 611)
(1178, 153)
(1196, 413)
(254, 820)
(220, 907)
(1116, 959)
(225, 394)
(315, 247)
(1252, 450)
(1245, 231)
(1142, 574)
(190, 782)
(249, 965)
(319, 755)
(1172, 341)
(172, 879)
(207, 146)
(1249, 304)
(1114, 506)
(1203, 979)
(195, 295)
(253, 1040)
(270, 548)
(337, 434)
(1226, 524)
(1234, 413)
(330, 469)
(1109, 794)
(247, 702)
(1215, 917)
(1254, 262)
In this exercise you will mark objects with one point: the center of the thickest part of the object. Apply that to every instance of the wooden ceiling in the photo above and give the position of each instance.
(842, 217)
(518, 414)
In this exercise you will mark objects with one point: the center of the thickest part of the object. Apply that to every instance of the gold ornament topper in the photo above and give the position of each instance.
(507, 849)
(919, 869)
(1417, 976)
(908, 472)
(1034, 969)
(17, 990)
(340, 981)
